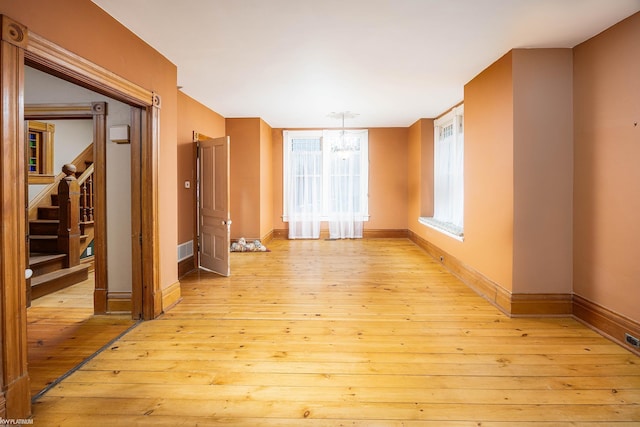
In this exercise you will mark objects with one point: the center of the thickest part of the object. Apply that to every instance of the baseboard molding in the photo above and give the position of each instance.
(385, 234)
(513, 305)
(541, 305)
(17, 398)
(186, 266)
(366, 234)
(483, 286)
(267, 238)
(119, 302)
(280, 233)
(606, 322)
(171, 295)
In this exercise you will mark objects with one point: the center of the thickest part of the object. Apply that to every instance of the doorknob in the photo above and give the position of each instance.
(28, 273)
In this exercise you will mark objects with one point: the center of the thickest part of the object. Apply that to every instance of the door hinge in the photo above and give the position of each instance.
(198, 150)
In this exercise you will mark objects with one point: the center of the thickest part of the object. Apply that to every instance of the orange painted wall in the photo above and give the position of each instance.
(488, 175)
(244, 176)
(427, 155)
(83, 28)
(388, 181)
(388, 161)
(276, 140)
(266, 179)
(192, 116)
(420, 170)
(607, 176)
(414, 171)
(543, 170)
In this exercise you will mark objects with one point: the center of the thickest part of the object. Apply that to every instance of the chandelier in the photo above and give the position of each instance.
(344, 142)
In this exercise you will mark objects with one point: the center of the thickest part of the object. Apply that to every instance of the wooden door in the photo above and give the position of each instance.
(214, 222)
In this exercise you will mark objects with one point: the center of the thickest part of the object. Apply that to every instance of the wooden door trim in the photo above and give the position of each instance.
(151, 294)
(97, 112)
(19, 46)
(136, 214)
(101, 285)
(47, 56)
(15, 400)
(54, 59)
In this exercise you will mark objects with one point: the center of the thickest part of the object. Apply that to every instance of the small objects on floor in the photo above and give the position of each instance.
(243, 246)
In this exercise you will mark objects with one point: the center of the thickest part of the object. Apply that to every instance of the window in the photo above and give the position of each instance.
(40, 152)
(325, 179)
(448, 192)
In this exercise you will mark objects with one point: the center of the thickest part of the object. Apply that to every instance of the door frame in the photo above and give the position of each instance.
(197, 138)
(20, 47)
(97, 112)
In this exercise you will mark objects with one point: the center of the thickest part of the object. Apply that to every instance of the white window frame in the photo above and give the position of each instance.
(289, 135)
(454, 118)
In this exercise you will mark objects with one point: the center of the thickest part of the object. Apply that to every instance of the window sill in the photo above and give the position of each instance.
(446, 228)
(364, 218)
(41, 179)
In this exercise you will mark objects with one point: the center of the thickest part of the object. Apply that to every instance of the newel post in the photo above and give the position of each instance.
(69, 227)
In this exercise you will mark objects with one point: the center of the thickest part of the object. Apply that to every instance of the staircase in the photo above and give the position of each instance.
(55, 250)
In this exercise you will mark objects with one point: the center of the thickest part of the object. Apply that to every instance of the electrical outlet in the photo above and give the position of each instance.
(631, 340)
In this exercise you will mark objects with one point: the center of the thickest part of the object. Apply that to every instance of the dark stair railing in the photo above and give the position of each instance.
(86, 195)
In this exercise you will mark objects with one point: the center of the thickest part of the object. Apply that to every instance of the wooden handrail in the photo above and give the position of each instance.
(85, 175)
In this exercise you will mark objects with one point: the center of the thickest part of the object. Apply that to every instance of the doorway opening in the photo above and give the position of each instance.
(80, 295)
(20, 48)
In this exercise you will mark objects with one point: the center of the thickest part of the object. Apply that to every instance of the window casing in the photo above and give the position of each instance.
(333, 190)
(448, 192)
(39, 152)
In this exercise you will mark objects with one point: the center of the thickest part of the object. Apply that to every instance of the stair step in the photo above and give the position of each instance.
(43, 243)
(84, 226)
(42, 263)
(48, 212)
(56, 280)
(43, 226)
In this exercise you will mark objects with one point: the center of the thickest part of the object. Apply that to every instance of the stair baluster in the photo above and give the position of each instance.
(86, 197)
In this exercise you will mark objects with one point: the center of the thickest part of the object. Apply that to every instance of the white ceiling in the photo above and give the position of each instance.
(292, 62)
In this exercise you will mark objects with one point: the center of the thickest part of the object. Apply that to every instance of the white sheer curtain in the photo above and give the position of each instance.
(346, 202)
(448, 171)
(304, 201)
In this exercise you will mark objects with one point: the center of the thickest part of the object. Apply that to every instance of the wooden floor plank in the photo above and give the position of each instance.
(459, 382)
(62, 332)
(352, 333)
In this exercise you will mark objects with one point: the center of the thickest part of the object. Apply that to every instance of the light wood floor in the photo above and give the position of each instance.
(62, 332)
(347, 333)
